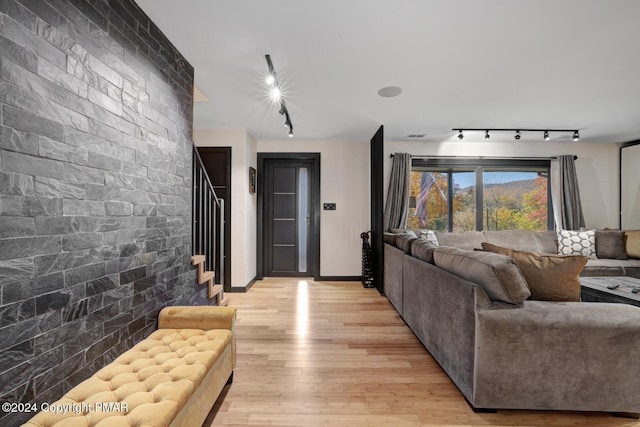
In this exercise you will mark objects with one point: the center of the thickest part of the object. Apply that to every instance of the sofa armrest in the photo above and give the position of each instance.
(555, 356)
(197, 317)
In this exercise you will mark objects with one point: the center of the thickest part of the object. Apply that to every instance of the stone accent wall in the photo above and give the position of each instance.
(95, 187)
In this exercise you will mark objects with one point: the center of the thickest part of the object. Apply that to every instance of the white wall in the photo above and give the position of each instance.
(243, 204)
(250, 212)
(597, 168)
(344, 180)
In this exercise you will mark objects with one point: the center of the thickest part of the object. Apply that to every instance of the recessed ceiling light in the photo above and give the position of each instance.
(390, 91)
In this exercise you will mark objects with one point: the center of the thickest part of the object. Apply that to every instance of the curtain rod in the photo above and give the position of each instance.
(485, 157)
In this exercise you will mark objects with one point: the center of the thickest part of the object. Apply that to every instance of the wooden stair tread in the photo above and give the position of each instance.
(215, 290)
(224, 302)
(198, 259)
(206, 276)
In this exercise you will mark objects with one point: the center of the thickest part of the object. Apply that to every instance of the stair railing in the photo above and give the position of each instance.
(208, 220)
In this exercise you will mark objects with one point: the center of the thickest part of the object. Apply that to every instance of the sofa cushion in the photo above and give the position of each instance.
(632, 243)
(423, 250)
(524, 240)
(611, 267)
(551, 277)
(403, 242)
(610, 244)
(572, 242)
(468, 240)
(496, 274)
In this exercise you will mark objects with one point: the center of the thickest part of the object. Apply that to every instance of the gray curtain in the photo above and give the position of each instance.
(565, 195)
(397, 205)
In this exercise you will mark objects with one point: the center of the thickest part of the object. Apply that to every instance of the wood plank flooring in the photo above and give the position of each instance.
(337, 354)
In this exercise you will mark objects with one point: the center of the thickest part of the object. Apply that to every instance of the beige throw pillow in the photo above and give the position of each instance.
(632, 243)
(550, 277)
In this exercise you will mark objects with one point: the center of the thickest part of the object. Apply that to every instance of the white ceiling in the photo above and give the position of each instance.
(461, 63)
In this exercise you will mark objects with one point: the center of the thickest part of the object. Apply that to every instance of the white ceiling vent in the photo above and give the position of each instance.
(416, 135)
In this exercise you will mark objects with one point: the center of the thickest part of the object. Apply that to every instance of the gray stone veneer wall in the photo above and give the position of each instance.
(95, 187)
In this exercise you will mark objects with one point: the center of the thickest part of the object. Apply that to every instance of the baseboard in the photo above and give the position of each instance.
(242, 289)
(338, 279)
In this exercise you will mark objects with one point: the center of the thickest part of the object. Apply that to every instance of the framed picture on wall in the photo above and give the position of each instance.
(252, 180)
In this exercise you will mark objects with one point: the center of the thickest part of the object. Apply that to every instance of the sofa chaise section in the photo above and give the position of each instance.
(522, 354)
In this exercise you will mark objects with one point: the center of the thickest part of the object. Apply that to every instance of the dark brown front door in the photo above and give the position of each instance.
(288, 219)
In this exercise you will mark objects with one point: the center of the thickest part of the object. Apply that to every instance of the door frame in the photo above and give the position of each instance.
(315, 207)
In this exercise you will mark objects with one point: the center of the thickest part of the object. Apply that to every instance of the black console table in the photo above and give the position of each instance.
(595, 289)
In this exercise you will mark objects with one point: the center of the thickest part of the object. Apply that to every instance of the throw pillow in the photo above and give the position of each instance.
(403, 231)
(632, 243)
(496, 274)
(610, 244)
(423, 250)
(429, 236)
(551, 277)
(488, 247)
(577, 243)
(404, 241)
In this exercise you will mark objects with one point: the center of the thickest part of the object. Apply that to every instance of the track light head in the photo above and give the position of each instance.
(270, 80)
(518, 132)
(275, 93)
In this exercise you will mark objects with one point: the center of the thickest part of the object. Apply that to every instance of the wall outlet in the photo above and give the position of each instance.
(329, 206)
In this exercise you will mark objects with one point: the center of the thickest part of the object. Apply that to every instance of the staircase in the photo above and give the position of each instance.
(215, 291)
(207, 232)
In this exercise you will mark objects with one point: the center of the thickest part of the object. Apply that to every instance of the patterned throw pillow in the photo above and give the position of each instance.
(577, 243)
(429, 236)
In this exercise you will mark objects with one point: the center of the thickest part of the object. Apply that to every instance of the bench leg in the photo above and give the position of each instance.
(230, 380)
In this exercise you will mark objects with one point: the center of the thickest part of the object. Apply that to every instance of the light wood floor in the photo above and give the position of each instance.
(337, 354)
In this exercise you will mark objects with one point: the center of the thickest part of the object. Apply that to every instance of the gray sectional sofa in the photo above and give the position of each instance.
(502, 350)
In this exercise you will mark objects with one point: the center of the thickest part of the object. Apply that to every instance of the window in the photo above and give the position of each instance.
(467, 195)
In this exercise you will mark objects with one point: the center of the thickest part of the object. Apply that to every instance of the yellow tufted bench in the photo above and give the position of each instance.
(171, 378)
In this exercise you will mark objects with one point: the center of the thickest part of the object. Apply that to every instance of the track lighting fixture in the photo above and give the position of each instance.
(271, 80)
(518, 132)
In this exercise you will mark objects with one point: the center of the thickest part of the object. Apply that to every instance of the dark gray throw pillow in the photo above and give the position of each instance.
(497, 274)
(423, 250)
(610, 244)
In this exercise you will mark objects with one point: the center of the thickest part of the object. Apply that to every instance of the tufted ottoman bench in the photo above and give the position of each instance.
(171, 378)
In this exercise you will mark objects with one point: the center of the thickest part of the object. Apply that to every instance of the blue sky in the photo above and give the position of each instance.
(466, 179)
